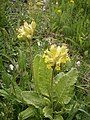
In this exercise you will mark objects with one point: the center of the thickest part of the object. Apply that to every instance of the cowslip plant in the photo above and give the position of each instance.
(51, 93)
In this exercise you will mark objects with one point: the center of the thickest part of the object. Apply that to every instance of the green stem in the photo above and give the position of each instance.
(52, 92)
(29, 44)
(30, 51)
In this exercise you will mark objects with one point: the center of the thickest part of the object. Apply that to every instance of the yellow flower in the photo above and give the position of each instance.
(71, 1)
(27, 30)
(59, 11)
(55, 56)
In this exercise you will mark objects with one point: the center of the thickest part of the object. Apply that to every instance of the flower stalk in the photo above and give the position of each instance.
(30, 56)
(26, 32)
(51, 96)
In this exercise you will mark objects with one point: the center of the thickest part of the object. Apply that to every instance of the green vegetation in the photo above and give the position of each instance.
(44, 60)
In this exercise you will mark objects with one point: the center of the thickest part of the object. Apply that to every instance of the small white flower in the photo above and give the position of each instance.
(78, 63)
(11, 66)
(38, 43)
(56, 3)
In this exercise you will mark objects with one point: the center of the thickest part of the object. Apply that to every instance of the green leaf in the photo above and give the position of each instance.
(1, 64)
(33, 98)
(42, 75)
(85, 112)
(16, 91)
(47, 112)
(6, 78)
(58, 76)
(3, 93)
(29, 112)
(64, 86)
(58, 117)
(25, 81)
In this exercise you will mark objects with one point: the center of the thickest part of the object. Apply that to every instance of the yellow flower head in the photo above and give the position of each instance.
(27, 30)
(55, 56)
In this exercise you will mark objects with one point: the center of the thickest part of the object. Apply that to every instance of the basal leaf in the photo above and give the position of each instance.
(6, 78)
(16, 91)
(64, 86)
(29, 112)
(33, 98)
(42, 75)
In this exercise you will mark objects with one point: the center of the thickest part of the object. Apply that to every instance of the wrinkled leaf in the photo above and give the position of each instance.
(64, 86)
(42, 75)
(33, 98)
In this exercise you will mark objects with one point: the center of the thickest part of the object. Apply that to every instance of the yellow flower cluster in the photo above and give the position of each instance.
(55, 56)
(27, 30)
